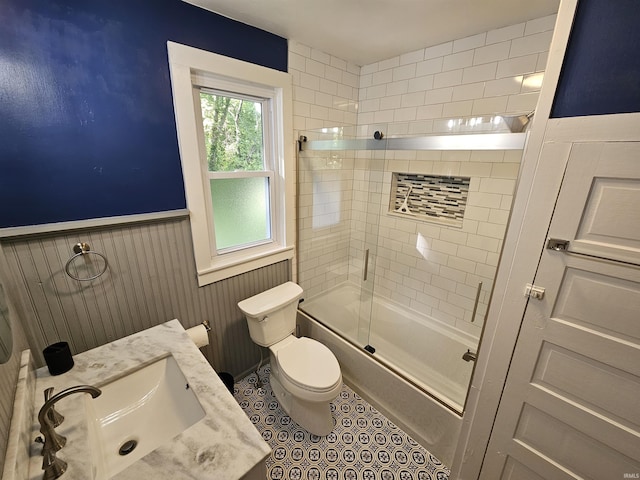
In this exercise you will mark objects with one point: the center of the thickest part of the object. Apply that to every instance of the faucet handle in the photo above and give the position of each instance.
(51, 441)
(54, 417)
(53, 466)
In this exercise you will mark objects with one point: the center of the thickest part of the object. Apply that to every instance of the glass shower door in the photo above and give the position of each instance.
(422, 222)
(367, 191)
(338, 211)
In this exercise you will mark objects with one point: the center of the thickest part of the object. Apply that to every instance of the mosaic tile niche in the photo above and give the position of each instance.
(434, 198)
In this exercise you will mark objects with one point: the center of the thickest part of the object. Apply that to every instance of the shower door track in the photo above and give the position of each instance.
(476, 141)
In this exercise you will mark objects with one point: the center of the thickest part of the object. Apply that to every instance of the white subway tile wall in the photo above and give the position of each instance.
(325, 88)
(463, 70)
(431, 268)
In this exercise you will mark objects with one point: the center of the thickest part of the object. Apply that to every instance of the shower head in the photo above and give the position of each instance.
(518, 123)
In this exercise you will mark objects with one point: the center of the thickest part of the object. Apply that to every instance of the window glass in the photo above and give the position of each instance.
(241, 211)
(236, 161)
(233, 132)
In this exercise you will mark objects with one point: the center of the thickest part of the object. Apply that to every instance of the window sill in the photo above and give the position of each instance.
(236, 263)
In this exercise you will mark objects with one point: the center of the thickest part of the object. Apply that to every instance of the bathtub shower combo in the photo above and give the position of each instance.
(399, 239)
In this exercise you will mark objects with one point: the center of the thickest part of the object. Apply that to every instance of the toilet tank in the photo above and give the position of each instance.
(271, 315)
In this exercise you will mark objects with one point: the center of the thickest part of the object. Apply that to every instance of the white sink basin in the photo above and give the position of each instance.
(138, 412)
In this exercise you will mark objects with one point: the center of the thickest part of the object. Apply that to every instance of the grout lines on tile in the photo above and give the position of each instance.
(364, 444)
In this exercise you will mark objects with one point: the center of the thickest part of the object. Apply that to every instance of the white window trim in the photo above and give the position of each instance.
(187, 65)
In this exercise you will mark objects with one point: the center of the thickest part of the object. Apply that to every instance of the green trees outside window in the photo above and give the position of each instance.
(233, 133)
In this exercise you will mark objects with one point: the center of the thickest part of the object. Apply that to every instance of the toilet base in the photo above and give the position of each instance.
(314, 417)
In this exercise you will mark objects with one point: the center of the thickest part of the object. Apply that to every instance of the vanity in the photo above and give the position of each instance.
(163, 413)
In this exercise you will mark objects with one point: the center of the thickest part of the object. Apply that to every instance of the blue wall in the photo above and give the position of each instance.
(601, 69)
(87, 127)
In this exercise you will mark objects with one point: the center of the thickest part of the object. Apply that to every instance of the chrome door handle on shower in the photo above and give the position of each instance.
(366, 265)
(475, 305)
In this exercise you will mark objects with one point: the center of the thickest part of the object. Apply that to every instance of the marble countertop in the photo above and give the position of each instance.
(224, 444)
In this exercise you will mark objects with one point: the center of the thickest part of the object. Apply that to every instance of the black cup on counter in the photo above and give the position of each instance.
(58, 358)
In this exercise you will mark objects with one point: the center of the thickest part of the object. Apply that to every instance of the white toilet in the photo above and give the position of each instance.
(305, 375)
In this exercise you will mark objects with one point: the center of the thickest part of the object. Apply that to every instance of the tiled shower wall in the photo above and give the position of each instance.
(499, 71)
(429, 267)
(325, 89)
(436, 269)
(325, 94)
(325, 192)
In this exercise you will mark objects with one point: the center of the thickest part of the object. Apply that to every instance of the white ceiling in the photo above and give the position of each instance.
(367, 31)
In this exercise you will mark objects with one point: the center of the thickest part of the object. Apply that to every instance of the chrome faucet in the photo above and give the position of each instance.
(54, 467)
(55, 418)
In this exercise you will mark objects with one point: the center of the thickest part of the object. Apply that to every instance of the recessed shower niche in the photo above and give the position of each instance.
(435, 198)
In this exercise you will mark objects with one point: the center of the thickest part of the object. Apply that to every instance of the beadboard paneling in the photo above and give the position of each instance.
(8, 378)
(9, 370)
(151, 278)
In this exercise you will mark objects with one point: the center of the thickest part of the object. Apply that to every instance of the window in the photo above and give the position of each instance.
(240, 177)
(232, 119)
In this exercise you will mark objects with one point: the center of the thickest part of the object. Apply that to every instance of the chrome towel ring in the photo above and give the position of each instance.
(84, 250)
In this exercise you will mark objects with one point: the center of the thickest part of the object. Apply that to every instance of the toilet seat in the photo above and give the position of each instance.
(309, 365)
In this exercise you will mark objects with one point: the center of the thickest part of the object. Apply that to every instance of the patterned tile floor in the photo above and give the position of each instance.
(364, 444)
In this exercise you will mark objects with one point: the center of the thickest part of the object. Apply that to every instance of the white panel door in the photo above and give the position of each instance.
(571, 404)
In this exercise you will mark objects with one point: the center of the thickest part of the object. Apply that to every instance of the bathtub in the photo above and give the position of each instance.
(416, 376)
(427, 352)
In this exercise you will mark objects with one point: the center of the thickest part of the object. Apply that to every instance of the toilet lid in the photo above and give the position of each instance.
(309, 364)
